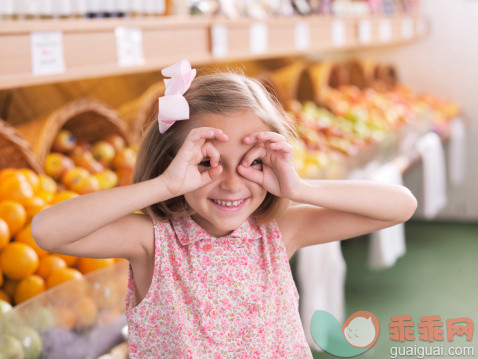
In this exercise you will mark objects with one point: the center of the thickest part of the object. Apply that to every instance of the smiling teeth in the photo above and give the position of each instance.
(227, 203)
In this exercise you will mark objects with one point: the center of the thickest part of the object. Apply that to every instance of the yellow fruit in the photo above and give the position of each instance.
(62, 275)
(47, 184)
(48, 264)
(106, 178)
(34, 210)
(70, 260)
(16, 188)
(32, 178)
(4, 233)
(25, 236)
(86, 311)
(64, 195)
(28, 288)
(87, 265)
(46, 196)
(18, 261)
(14, 214)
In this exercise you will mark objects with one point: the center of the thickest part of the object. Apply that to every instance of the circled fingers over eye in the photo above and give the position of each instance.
(256, 152)
(210, 151)
(200, 133)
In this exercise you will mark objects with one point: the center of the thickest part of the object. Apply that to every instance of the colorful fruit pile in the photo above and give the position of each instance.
(355, 118)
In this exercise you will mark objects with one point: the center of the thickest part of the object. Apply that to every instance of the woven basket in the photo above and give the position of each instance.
(385, 77)
(355, 73)
(325, 76)
(15, 151)
(284, 82)
(89, 120)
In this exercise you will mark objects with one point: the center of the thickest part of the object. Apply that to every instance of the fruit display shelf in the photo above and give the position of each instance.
(39, 52)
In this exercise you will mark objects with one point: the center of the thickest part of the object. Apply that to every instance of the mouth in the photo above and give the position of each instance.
(229, 205)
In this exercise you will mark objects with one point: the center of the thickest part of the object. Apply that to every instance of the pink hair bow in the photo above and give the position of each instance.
(173, 106)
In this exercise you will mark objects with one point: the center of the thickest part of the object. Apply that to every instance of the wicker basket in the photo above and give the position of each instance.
(284, 82)
(15, 151)
(355, 73)
(140, 112)
(325, 76)
(87, 119)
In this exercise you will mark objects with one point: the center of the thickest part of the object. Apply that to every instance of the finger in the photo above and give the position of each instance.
(251, 174)
(258, 151)
(211, 174)
(197, 136)
(264, 136)
(209, 150)
(283, 146)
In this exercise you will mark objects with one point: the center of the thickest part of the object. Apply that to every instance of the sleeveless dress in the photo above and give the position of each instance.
(217, 297)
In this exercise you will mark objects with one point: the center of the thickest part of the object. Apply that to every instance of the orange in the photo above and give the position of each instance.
(34, 210)
(65, 317)
(70, 260)
(46, 196)
(18, 261)
(14, 214)
(4, 233)
(121, 260)
(62, 275)
(29, 287)
(9, 287)
(32, 178)
(47, 184)
(25, 236)
(4, 296)
(63, 195)
(48, 264)
(16, 189)
(10, 171)
(1, 277)
(87, 265)
(34, 201)
(86, 311)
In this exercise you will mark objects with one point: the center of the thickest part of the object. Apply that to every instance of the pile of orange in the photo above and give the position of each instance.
(26, 269)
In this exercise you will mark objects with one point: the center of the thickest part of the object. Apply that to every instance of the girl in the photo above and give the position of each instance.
(209, 272)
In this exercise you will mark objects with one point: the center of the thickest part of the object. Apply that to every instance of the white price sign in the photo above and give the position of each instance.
(339, 35)
(129, 46)
(385, 30)
(258, 38)
(47, 53)
(407, 28)
(365, 31)
(302, 35)
(219, 40)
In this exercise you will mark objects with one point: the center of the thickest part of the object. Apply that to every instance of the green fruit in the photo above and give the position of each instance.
(10, 348)
(30, 340)
(40, 318)
(4, 307)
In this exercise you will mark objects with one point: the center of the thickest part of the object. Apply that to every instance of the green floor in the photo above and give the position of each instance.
(437, 276)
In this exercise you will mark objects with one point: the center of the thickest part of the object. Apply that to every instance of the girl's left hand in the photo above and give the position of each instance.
(278, 175)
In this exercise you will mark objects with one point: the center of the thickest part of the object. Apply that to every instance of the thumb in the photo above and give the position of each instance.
(250, 173)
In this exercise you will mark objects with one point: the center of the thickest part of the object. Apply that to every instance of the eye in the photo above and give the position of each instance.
(205, 163)
(258, 162)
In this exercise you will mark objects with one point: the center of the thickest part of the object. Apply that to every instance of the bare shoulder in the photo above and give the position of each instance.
(287, 223)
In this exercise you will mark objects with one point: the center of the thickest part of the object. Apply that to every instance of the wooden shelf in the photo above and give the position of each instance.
(90, 46)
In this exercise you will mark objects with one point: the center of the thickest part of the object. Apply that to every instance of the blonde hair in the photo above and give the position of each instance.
(219, 93)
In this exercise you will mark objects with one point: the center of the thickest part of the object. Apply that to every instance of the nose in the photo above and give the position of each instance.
(231, 180)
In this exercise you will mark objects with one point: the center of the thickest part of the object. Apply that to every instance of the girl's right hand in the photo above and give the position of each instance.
(182, 175)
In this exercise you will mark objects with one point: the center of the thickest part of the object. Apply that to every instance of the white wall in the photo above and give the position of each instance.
(445, 63)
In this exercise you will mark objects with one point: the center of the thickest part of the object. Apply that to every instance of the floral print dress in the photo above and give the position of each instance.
(217, 297)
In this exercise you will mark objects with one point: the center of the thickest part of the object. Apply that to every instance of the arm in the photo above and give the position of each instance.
(334, 210)
(99, 224)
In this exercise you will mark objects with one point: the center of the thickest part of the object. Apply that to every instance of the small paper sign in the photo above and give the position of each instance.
(302, 35)
(219, 40)
(258, 38)
(407, 28)
(365, 31)
(338, 33)
(385, 30)
(129, 46)
(47, 53)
